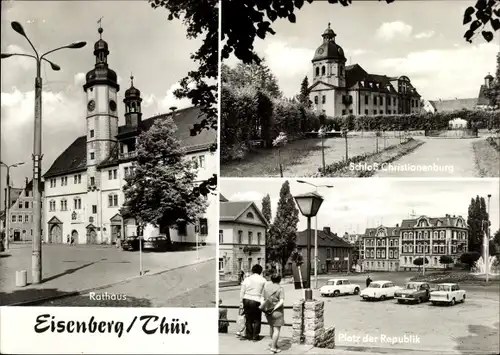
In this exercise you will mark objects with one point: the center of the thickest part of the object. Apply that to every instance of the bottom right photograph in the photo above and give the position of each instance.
(348, 266)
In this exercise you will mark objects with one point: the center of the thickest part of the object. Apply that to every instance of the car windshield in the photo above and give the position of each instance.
(330, 283)
(443, 288)
(372, 285)
(411, 286)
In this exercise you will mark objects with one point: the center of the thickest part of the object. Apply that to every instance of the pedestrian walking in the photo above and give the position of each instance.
(368, 281)
(67, 239)
(118, 240)
(273, 308)
(251, 297)
(72, 241)
(241, 276)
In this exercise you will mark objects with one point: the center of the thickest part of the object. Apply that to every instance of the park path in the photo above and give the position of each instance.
(442, 157)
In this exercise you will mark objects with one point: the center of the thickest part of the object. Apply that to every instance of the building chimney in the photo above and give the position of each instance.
(397, 225)
(326, 230)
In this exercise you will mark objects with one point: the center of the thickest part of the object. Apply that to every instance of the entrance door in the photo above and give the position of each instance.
(92, 237)
(56, 234)
(74, 235)
(17, 236)
(115, 233)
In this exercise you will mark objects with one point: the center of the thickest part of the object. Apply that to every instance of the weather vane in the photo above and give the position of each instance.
(100, 26)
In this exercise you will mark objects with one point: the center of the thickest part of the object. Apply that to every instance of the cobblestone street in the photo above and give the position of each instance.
(469, 328)
(68, 269)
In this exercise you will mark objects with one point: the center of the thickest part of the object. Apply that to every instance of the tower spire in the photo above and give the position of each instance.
(100, 30)
(131, 79)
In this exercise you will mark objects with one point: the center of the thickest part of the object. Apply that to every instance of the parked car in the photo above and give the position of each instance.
(379, 290)
(447, 293)
(413, 292)
(132, 243)
(336, 287)
(160, 243)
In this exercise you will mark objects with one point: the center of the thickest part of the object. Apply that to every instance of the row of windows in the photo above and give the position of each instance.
(433, 261)
(323, 70)
(435, 234)
(381, 254)
(380, 264)
(20, 218)
(77, 203)
(240, 237)
(77, 179)
(436, 249)
(26, 204)
(381, 243)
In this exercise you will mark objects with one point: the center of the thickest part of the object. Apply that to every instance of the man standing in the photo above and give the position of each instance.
(251, 296)
(368, 281)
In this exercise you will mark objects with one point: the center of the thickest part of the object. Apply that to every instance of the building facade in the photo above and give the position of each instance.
(84, 185)
(334, 253)
(432, 237)
(338, 89)
(242, 238)
(381, 249)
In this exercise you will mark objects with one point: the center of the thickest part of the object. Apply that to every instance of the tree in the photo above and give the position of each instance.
(283, 232)
(496, 238)
(470, 258)
(304, 93)
(266, 208)
(244, 20)
(493, 93)
(420, 261)
(476, 222)
(445, 260)
(257, 76)
(160, 191)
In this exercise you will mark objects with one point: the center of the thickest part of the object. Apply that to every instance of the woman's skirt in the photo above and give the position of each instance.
(276, 319)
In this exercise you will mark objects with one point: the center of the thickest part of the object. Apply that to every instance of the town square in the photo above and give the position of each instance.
(94, 207)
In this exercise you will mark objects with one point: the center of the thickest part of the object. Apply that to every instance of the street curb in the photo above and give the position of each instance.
(78, 293)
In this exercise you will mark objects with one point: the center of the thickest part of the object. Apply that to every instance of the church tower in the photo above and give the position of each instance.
(329, 61)
(101, 88)
(132, 101)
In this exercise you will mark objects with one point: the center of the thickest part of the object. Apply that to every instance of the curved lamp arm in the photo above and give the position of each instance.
(53, 65)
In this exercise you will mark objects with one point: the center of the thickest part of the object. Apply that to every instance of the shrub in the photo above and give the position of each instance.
(469, 258)
(420, 261)
(445, 260)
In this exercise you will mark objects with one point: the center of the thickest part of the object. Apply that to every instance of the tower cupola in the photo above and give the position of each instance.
(132, 103)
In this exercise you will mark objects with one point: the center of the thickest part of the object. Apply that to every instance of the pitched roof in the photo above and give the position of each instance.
(481, 98)
(74, 158)
(324, 240)
(232, 210)
(454, 105)
(446, 221)
(391, 231)
(222, 198)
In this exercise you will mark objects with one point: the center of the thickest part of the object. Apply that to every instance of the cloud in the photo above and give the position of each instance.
(425, 34)
(163, 104)
(285, 61)
(358, 51)
(391, 30)
(79, 79)
(441, 74)
(247, 196)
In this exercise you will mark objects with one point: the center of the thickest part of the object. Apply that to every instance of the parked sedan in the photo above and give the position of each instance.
(336, 287)
(413, 292)
(160, 243)
(379, 290)
(132, 243)
(447, 293)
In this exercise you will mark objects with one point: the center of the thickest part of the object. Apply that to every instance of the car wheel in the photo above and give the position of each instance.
(463, 299)
(400, 301)
(356, 291)
(433, 303)
(382, 298)
(452, 303)
(336, 293)
(418, 300)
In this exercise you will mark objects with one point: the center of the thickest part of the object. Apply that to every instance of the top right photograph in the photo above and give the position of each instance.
(360, 89)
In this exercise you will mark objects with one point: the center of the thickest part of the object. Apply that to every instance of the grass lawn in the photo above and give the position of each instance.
(487, 159)
(302, 157)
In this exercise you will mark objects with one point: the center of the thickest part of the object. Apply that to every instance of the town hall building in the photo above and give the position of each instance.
(340, 90)
(84, 185)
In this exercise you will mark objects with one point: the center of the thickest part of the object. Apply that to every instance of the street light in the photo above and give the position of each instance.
(309, 205)
(486, 248)
(36, 258)
(423, 263)
(315, 233)
(7, 198)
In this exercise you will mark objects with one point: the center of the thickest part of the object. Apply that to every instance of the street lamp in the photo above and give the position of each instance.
(7, 198)
(309, 205)
(36, 258)
(315, 233)
(486, 248)
(423, 263)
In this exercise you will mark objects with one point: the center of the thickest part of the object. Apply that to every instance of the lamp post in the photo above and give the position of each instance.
(7, 198)
(423, 261)
(486, 248)
(315, 233)
(36, 256)
(309, 205)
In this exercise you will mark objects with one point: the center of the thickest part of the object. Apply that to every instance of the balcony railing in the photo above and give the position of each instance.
(128, 155)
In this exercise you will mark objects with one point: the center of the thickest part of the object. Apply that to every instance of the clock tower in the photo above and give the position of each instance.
(101, 88)
(329, 61)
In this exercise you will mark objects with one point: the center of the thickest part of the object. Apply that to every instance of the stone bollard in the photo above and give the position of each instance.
(298, 322)
(21, 278)
(313, 321)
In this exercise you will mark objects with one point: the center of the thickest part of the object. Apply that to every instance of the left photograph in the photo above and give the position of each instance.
(109, 155)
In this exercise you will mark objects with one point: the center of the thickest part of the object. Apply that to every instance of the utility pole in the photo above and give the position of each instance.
(8, 202)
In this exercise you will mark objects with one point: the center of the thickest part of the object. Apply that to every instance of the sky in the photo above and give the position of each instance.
(353, 205)
(141, 41)
(420, 39)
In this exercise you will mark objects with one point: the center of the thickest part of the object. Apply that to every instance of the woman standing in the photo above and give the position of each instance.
(250, 299)
(275, 317)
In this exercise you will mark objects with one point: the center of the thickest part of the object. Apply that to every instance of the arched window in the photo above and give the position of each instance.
(435, 260)
(316, 99)
(405, 248)
(112, 200)
(406, 260)
(77, 203)
(441, 234)
(317, 71)
(411, 235)
(435, 234)
(378, 253)
(323, 70)
(250, 215)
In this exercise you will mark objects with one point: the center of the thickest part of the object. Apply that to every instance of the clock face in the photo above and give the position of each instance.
(320, 51)
(91, 105)
(112, 105)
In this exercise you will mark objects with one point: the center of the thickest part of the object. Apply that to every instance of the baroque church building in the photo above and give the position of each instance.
(339, 90)
(84, 185)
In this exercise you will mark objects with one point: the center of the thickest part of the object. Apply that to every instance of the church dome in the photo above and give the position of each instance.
(489, 77)
(329, 49)
(132, 92)
(101, 73)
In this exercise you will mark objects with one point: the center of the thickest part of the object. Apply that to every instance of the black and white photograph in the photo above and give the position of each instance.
(360, 89)
(109, 163)
(359, 266)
